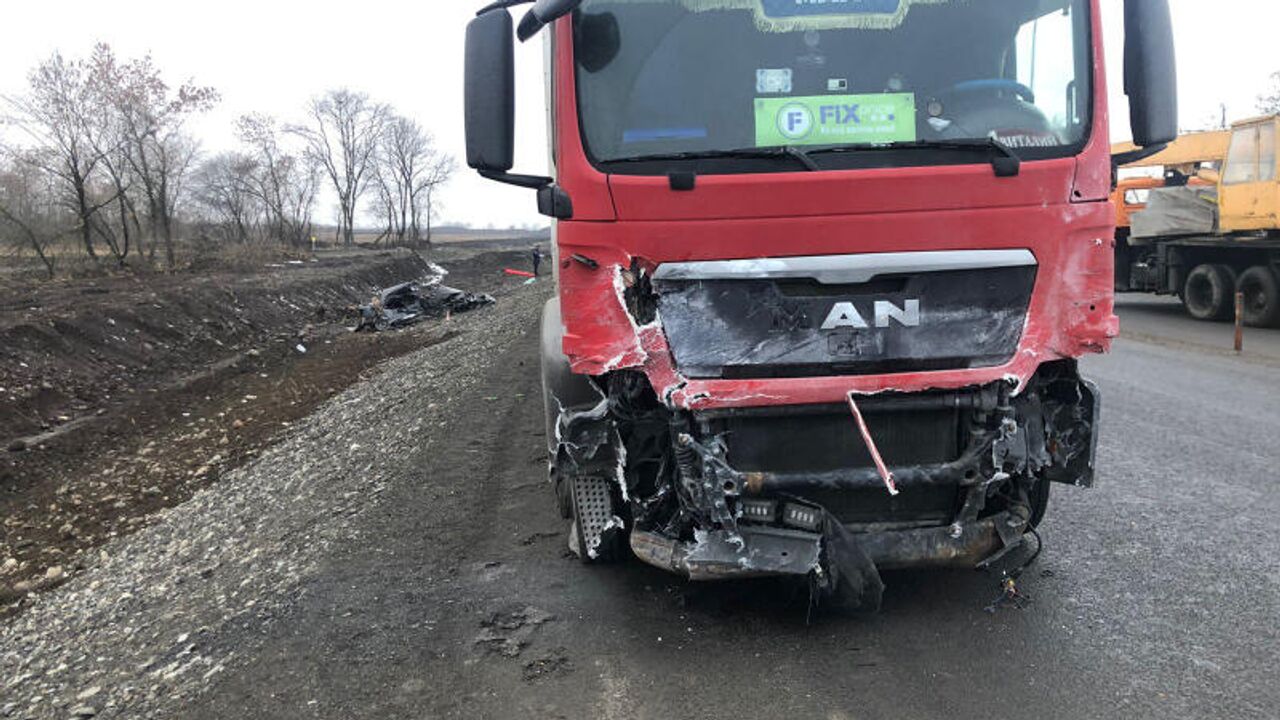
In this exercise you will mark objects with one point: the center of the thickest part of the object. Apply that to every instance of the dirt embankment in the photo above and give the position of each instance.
(69, 348)
(120, 397)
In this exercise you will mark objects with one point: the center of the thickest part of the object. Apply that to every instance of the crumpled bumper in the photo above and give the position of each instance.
(771, 552)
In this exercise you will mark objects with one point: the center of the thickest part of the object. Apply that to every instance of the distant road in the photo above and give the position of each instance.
(1162, 320)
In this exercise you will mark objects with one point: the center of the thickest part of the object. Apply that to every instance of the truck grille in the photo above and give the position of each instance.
(774, 328)
(822, 442)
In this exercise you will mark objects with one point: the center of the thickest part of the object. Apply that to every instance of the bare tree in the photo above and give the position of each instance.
(27, 209)
(386, 205)
(110, 133)
(105, 133)
(440, 169)
(286, 183)
(226, 188)
(342, 137)
(410, 169)
(148, 117)
(1269, 102)
(52, 116)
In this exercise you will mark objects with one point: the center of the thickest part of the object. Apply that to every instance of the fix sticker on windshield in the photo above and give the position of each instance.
(836, 120)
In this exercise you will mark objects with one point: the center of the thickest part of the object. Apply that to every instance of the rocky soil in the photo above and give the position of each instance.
(133, 401)
(138, 632)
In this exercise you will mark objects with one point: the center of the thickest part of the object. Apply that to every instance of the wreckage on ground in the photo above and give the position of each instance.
(827, 322)
(409, 303)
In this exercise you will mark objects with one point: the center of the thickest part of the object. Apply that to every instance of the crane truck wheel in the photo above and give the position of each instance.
(1261, 290)
(1209, 292)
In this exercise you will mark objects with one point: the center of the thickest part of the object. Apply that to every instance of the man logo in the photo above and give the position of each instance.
(846, 315)
(795, 121)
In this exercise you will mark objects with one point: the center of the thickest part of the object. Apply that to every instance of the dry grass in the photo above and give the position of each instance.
(71, 261)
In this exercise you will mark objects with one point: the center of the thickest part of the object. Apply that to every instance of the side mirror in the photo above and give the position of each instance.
(1150, 72)
(491, 92)
(543, 13)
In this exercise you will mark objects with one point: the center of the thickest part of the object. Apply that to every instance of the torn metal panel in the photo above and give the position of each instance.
(870, 442)
(701, 480)
(715, 555)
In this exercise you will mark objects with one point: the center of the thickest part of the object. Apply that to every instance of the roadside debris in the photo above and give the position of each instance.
(408, 303)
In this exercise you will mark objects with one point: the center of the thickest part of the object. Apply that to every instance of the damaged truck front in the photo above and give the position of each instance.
(824, 270)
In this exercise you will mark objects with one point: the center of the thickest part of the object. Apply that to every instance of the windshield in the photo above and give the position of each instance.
(658, 78)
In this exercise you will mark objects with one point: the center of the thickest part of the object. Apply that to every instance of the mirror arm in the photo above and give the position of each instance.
(1142, 153)
(533, 182)
(553, 201)
(1119, 160)
(529, 26)
(542, 14)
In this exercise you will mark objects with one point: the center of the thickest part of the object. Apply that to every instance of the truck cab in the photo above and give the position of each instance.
(1249, 195)
(823, 271)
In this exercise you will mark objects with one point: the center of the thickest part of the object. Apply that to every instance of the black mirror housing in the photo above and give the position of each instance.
(542, 14)
(490, 92)
(1150, 72)
(490, 80)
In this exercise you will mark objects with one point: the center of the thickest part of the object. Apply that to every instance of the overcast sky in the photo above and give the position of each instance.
(270, 56)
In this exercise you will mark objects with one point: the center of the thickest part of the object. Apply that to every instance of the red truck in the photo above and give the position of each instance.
(824, 270)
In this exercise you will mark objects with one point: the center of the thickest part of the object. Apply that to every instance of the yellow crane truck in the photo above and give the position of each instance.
(1209, 227)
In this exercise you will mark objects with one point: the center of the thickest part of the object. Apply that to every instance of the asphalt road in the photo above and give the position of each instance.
(1158, 594)
(1161, 321)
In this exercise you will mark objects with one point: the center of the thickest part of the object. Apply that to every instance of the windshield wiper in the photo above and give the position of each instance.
(787, 151)
(1005, 162)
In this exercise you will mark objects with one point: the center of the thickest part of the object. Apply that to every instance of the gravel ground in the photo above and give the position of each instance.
(139, 634)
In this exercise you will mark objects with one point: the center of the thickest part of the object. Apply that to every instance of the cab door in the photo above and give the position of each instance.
(1250, 190)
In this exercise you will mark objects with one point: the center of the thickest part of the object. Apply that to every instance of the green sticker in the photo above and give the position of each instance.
(836, 120)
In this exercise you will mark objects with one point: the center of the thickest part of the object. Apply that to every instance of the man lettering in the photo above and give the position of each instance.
(845, 315)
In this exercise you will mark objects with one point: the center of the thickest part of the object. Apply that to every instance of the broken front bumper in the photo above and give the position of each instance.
(794, 491)
(771, 552)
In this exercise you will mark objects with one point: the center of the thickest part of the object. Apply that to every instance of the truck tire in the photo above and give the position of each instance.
(1040, 501)
(1261, 290)
(563, 490)
(1209, 292)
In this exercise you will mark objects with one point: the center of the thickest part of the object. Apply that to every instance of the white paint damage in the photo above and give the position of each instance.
(635, 356)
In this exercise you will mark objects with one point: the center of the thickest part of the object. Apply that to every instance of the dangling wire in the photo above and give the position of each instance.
(1010, 594)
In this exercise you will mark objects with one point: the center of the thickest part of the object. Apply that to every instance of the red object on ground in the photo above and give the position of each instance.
(519, 273)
